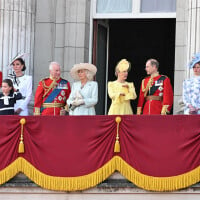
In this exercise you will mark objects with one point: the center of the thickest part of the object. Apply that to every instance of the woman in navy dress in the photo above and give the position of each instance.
(8, 98)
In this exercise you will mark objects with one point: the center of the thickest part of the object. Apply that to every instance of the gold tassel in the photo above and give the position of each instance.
(117, 144)
(21, 143)
(21, 147)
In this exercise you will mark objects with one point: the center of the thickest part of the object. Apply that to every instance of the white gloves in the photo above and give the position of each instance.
(78, 99)
(78, 102)
(78, 95)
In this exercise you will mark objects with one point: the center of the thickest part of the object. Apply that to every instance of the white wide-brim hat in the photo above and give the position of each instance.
(22, 55)
(74, 70)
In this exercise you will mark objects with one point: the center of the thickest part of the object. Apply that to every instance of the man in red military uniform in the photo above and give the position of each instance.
(156, 93)
(52, 93)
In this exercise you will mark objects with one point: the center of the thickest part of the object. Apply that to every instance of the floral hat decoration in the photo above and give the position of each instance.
(195, 59)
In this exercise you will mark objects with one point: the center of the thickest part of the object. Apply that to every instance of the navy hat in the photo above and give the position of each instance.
(195, 60)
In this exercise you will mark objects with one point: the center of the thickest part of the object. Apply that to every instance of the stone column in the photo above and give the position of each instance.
(62, 35)
(16, 32)
(77, 29)
(187, 43)
(193, 30)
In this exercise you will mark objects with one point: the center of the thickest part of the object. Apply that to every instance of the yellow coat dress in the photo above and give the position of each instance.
(121, 104)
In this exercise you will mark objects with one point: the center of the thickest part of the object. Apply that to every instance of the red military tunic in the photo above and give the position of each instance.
(51, 96)
(156, 95)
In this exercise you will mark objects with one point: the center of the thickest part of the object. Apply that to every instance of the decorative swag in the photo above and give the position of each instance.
(158, 153)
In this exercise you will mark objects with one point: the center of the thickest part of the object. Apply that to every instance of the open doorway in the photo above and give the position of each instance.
(138, 40)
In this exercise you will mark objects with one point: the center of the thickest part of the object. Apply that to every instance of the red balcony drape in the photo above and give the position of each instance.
(74, 153)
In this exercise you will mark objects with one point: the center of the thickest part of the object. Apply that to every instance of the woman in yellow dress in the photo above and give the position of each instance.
(120, 91)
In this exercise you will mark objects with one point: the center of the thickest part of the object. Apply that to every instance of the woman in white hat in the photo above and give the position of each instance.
(120, 91)
(84, 92)
(21, 82)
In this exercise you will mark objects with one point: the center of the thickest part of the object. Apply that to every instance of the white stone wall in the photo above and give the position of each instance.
(19, 194)
(193, 28)
(62, 35)
(187, 44)
(180, 51)
(106, 193)
(16, 32)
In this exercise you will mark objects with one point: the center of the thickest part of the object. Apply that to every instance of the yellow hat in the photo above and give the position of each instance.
(123, 65)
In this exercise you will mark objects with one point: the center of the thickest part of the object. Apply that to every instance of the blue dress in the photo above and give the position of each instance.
(191, 93)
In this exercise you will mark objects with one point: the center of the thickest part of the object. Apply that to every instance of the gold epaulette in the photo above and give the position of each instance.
(44, 79)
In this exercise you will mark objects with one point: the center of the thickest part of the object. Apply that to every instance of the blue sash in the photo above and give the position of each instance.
(53, 94)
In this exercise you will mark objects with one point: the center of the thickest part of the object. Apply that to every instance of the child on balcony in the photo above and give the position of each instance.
(8, 97)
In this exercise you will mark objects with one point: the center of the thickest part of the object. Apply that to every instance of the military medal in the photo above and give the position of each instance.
(59, 98)
(63, 93)
(160, 88)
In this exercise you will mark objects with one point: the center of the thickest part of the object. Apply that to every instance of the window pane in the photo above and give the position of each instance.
(114, 6)
(158, 5)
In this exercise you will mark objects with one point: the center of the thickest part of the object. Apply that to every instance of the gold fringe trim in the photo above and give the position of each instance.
(157, 183)
(9, 172)
(57, 183)
(91, 180)
(68, 183)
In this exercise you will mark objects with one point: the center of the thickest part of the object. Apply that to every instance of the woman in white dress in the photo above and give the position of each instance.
(23, 83)
(84, 92)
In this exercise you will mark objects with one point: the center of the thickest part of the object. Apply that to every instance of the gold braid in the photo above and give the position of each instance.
(48, 88)
(149, 84)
